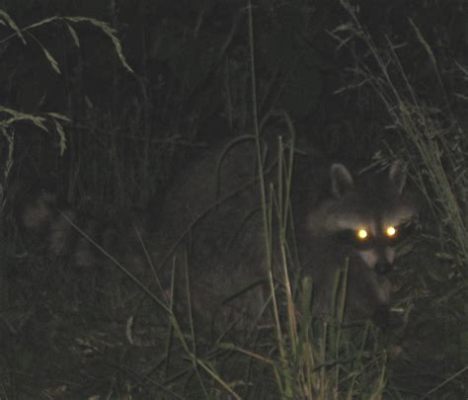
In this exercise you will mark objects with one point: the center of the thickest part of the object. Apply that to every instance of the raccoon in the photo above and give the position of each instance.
(360, 222)
(211, 233)
(214, 213)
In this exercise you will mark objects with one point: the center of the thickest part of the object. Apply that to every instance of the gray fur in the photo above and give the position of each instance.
(226, 240)
(210, 231)
(397, 175)
(341, 180)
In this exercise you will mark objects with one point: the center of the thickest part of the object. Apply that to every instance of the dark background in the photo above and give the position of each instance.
(190, 88)
(191, 85)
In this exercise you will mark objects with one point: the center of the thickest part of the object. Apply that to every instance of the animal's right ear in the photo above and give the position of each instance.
(341, 180)
(397, 175)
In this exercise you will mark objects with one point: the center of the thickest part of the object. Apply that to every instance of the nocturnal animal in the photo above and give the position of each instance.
(215, 212)
(229, 220)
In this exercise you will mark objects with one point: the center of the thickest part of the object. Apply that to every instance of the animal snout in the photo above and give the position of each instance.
(383, 267)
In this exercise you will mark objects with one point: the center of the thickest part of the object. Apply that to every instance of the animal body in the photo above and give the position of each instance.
(213, 240)
(332, 220)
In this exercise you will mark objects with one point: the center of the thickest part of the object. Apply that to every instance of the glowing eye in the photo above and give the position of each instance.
(391, 231)
(362, 234)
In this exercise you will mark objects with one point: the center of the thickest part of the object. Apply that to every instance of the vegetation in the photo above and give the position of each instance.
(104, 102)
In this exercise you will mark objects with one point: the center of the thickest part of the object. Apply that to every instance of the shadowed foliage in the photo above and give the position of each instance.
(104, 104)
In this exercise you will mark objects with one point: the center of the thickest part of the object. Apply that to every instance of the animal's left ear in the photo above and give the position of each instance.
(397, 175)
(341, 180)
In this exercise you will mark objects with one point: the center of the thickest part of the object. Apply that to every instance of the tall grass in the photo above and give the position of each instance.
(303, 357)
(433, 141)
(316, 359)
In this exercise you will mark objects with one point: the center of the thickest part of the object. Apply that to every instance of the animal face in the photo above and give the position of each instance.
(374, 239)
(367, 218)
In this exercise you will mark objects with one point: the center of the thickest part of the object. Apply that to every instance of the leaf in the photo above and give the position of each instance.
(74, 35)
(52, 61)
(62, 136)
(19, 116)
(59, 116)
(109, 32)
(6, 17)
